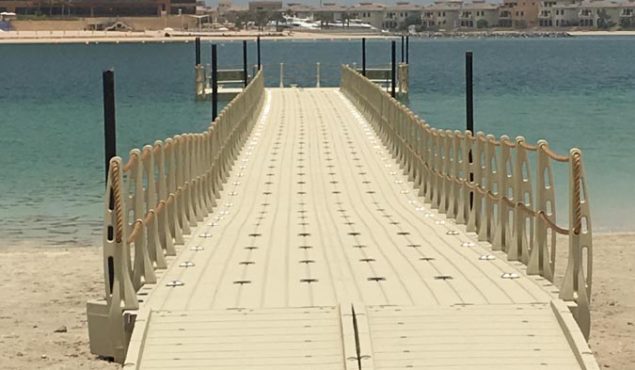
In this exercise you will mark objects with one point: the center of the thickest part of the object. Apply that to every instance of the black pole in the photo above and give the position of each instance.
(214, 83)
(403, 47)
(407, 49)
(393, 69)
(245, 62)
(364, 56)
(469, 99)
(109, 117)
(258, 47)
(197, 42)
(469, 111)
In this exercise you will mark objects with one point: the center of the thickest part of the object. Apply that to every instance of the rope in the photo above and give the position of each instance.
(149, 217)
(146, 153)
(131, 162)
(577, 192)
(553, 155)
(115, 178)
(552, 224)
(137, 227)
(508, 143)
(530, 147)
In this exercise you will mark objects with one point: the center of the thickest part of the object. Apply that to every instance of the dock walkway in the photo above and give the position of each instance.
(320, 254)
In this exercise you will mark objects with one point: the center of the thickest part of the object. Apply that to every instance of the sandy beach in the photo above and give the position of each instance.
(43, 321)
(94, 37)
(119, 37)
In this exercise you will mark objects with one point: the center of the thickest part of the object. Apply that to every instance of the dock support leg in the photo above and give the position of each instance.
(245, 62)
(110, 137)
(469, 99)
(258, 50)
(364, 57)
(214, 83)
(393, 69)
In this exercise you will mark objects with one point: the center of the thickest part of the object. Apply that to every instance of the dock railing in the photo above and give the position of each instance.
(151, 201)
(486, 183)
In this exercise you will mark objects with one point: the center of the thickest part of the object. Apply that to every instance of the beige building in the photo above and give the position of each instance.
(601, 14)
(396, 15)
(442, 15)
(518, 13)
(265, 5)
(565, 15)
(332, 12)
(627, 15)
(478, 14)
(371, 13)
(299, 10)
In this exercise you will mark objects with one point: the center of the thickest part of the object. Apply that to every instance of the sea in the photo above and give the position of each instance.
(573, 92)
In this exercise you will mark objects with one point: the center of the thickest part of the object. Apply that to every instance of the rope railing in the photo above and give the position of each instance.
(486, 184)
(161, 192)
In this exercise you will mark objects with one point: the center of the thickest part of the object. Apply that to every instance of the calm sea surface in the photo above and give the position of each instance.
(573, 92)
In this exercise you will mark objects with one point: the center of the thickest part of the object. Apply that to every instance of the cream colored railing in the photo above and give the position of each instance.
(154, 199)
(486, 184)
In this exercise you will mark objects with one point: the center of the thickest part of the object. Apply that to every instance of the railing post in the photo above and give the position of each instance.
(317, 74)
(364, 57)
(245, 62)
(407, 49)
(393, 68)
(109, 117)
(258, 50)
(281, 75)
(214, 83)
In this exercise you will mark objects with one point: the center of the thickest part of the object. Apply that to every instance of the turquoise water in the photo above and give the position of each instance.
(574, 92)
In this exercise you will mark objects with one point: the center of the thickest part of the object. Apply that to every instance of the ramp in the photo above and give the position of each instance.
(309, 338)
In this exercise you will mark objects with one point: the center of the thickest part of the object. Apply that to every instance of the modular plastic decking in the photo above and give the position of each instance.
(321, 255)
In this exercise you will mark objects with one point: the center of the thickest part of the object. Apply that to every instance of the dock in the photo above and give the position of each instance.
(332, 228)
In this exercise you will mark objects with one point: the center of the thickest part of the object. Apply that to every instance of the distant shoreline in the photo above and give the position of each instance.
(116, 37)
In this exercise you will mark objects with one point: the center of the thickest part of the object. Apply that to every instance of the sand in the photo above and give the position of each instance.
(95, 37)
(45, 289)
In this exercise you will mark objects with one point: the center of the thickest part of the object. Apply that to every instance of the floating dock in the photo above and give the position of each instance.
(331, 228)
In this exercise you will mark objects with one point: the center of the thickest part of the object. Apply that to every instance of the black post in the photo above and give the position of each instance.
(109, 117)
(364, 56)
(469, 112)
(258, 47)
(214, 83)
(197, 42)
(245, 62)
(407, 49)
(469, 99)
(393, 81)
(403, 48)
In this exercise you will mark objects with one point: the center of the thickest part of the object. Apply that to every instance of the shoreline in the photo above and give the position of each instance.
(117, 37)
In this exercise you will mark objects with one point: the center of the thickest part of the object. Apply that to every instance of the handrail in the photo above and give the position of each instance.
(159, 194)
(480, 183)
